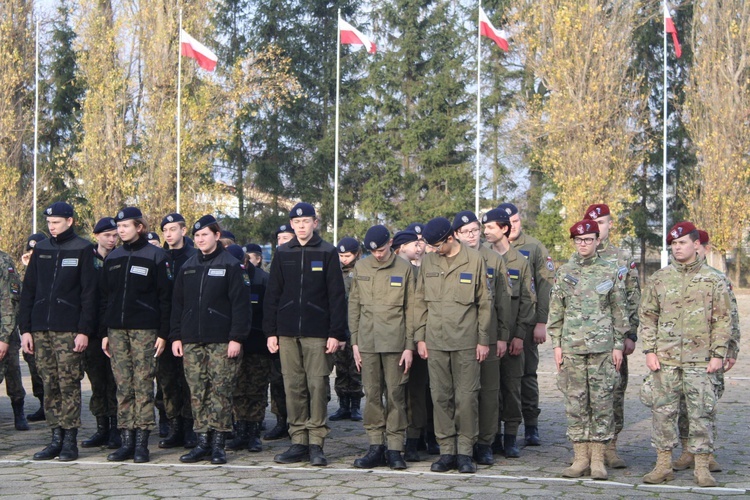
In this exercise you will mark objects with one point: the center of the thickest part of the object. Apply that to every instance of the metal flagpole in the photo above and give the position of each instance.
(179, 107)
(664, 253)
(479, 109)
(336, 141)
(36, 126)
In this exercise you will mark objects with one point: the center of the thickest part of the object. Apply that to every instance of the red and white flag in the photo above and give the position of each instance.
(669, 27)
(190, 47)
(487, 29)
(352, 36)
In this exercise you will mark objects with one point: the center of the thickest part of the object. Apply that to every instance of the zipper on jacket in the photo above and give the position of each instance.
(52, 288)
(301, 283)
(125, 289)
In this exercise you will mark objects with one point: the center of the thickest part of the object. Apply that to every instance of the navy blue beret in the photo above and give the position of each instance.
(170, 219)
(496, 215)
(437, 230)
(237, 252)
(228, 234)
(508, 208)
(128, 213)
(348, 245)
(253, 248)
(59, 209)
(105, 224)
(417, 227)
(151, 236)
(302, 210)
(376, 237)
(284, 228)
(404, 237)
(463, 218)
(204, 221)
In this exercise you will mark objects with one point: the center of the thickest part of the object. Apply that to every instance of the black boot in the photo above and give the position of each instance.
(201, 451)
(190, 438)
(532, 435)
(38, 415)
(465, 464)
(163, 422)
(483, 454)
(395, 460)
(19, 419)
(356, 413)
(100, 436)
(281, 430)
(176, 435)
(69, 451)
(317, 457)
(411, 454)
(295, 453)
(497, 445)
(114, 441)
(218, 455)
(140, 455)
(253, 438)
(375, 457)
(344, 410)
(444, 463)
(126, 451)
(241, 436)
(511, 449)
(432, 445)
(53, 448)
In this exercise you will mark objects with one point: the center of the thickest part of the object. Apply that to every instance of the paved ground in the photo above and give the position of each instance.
(536, 473)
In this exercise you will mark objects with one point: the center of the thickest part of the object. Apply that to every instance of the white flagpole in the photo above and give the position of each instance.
(179, 107)
(336, 136)
(36, 126)
(479, 109)
(664, 253)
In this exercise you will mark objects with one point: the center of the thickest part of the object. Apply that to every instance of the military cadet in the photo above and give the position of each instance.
(284, 234)
(686, 459)
(542, 272)
(467, 230)
(136, 289)
(210, 321)
(255, 254)
(226, 234)
(686, 329)
(10, 295)
(521, 324)
(627, 272)
(153, 238)
(103, 402)
(57, 315)
(304, 319)
(170, 374)
(348, 383)
(382, 329)
(417, 227)
(452, 320)
(14, 380)
(251, 390)
(408, 246)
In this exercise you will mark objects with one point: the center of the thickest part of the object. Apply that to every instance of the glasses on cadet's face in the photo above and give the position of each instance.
(583, 241)
(468, 232)
(438, 246)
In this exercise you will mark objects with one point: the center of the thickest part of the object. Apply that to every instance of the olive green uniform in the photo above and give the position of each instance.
(452, 316)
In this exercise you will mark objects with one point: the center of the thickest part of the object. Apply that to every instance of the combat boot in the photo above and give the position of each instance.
(483, 454)
(253, 438)
(280, 430)
(295, 453)
(201, 451)
(218, 455)
(532, 435)
(395, 460)
(701, 473)
(317, 457)
(163, 421)
(598, 471)
(140, 454)
(465, 464)
(497, 445)
(240, 440)
(190, 438)
(126, 451)
(115, 439)
(611, 458)
(19, 419)
(344, 412)
(713, 465)
(175, 436)
(686, 459)
(510, 446)
(356, 413)
(410, 451)
(69, 451)
(375, 457)
(663, 469)
(100, 436)
(444, 463)
(53, 448)
(432, 445)
(581, 462)
(38, 415)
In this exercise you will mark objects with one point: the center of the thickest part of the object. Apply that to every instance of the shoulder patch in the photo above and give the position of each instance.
(550, 264)
(621, 272)
(533, 285)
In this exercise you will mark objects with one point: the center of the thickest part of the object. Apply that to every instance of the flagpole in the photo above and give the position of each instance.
(336, 136)
(36, 126)
(179, 107)
(479, 109)
(664, 253)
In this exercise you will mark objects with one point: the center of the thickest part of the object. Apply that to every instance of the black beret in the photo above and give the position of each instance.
(153, 236)
(508, 208)
(284, 228)
(170, 219)
(496, 215)
(253, 248)
(59, 209)
(128, 213)
(348, 245)
(302, 210)
(237, 252)
(437, 230)
(35, 238)
(105, 224)
(463, 218)
(228, 234)
(376, 237)
(417, 227)
(404, 237)
(204, 221)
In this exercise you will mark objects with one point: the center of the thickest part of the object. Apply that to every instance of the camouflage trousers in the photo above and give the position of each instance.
(10, 367)
(682, 421)
(587, 382)
(418, 399)
(509, 410)
(700, 391)
(619, 395)
(348, 379)
(489, 393)
(251, 389)
(276, 382)
(211, 376)
(134, 367)
(61, 370)
(529, 383)
(385, 408)
(170, 375)
(98, 367)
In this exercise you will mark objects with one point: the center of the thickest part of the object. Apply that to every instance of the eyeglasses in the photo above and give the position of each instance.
(583, 241)
(439, 245)
(468, 232)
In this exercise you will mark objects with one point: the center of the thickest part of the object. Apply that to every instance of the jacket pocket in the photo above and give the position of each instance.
(217, 313)
(145, 305)
(66, 303)
(317, 308)
(286, 305)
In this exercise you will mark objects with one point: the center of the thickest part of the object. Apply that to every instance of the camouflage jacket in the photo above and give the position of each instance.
(627, 272)
(10, 293)
(685, 314)
(587, 312)
(542, 271)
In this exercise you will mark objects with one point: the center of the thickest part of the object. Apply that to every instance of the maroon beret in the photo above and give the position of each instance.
(679, 230)
(584, 227)
(596, 211)
(703, 236)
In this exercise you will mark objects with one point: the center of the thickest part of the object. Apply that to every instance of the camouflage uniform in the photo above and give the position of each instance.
(10, 291)
(10, 367)
(251, 390)
(685, 319)
(134, 367)
(588, 320)
(211, 376)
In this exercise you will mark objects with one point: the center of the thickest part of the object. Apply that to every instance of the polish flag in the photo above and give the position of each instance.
(190, 47)
(486, 29)
(669, 27)
(352, 36)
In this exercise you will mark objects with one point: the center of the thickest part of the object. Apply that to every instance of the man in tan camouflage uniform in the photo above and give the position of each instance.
(10, 293)
(685, 328)
(587, 324)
